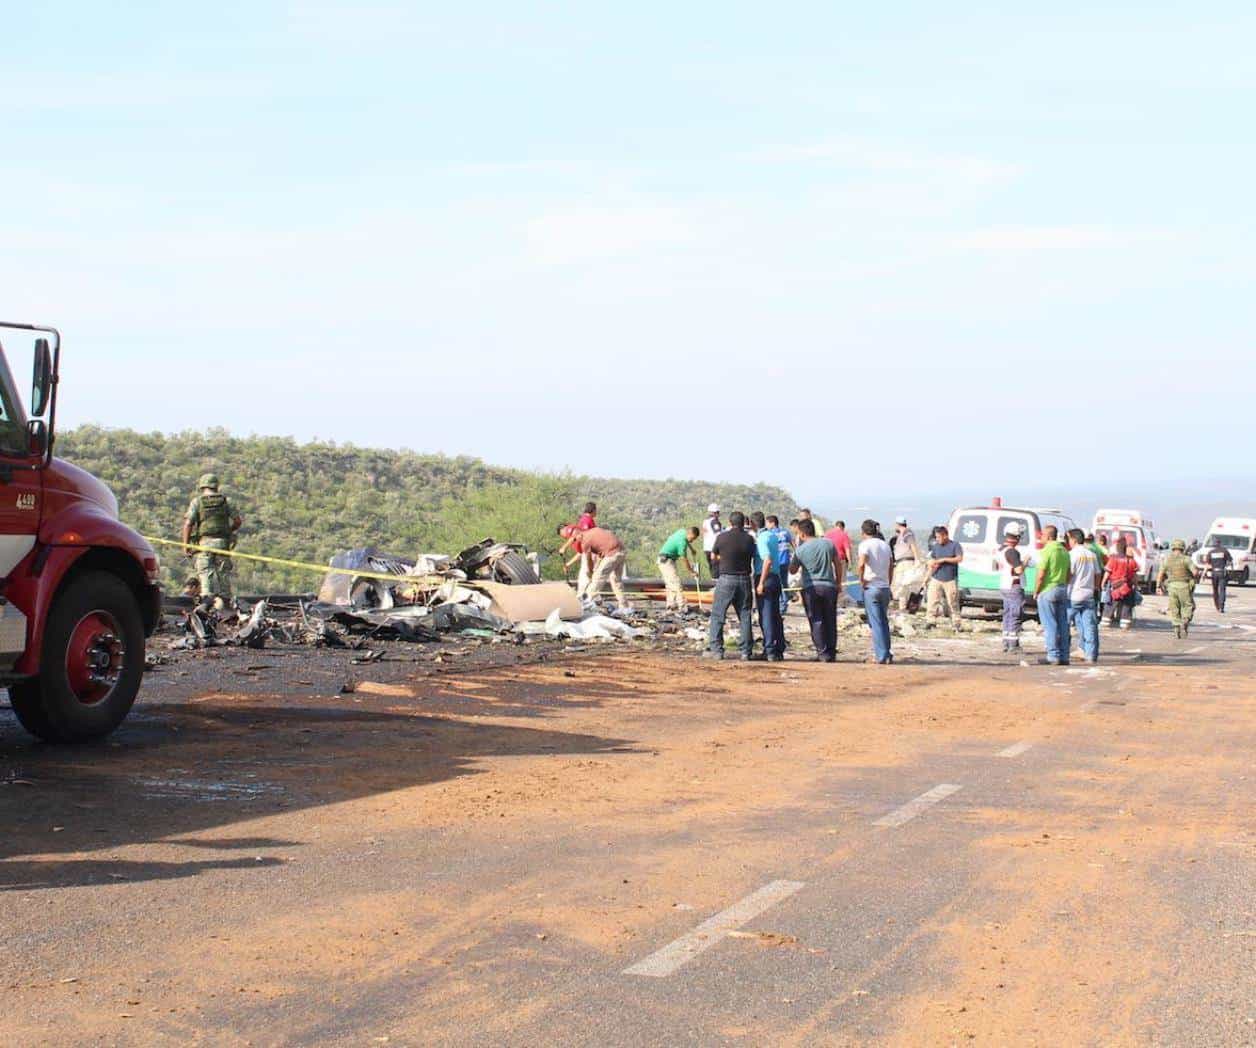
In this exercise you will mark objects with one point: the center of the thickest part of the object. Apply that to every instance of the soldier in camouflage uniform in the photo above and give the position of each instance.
(1177, 577)
(212, 521)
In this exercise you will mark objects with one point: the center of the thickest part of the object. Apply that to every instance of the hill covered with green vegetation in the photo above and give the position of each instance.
(309, 501)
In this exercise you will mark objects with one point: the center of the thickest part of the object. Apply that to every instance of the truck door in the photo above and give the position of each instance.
(21, 488)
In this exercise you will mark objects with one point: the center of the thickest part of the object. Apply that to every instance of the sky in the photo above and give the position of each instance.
(847, 249)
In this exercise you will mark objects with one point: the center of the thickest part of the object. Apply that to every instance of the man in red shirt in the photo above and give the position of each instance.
(570, 534)
(611, 557)
(841, 542)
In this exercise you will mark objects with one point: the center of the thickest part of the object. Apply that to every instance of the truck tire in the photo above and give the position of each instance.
(91, 665)
(1244, 576)
(513, 567)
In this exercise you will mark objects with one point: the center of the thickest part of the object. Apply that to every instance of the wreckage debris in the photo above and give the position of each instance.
(491, 592)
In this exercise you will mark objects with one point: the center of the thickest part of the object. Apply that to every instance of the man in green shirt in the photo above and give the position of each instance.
(1051, 595)
(679, 545)
(1177, 578)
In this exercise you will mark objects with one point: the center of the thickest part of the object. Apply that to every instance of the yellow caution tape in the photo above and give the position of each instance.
(322, 569)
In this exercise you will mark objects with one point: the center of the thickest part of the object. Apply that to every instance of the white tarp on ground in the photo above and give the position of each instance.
(595, 627)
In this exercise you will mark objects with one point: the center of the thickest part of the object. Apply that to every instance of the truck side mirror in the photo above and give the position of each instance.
(41, 380)
(37, 437)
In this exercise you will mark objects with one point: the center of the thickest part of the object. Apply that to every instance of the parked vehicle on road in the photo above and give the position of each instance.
(979, 530)
(78, 589)
(1238, 535)
(1140, 537)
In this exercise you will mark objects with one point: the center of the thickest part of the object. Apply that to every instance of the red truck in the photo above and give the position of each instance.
(78, 589)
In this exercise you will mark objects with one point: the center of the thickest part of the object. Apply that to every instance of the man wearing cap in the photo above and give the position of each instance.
(1177, 578)
(1012, 561)
(211, 521)
(908, 570)
(711, 528)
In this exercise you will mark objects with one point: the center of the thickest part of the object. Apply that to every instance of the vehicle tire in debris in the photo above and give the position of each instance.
(513, 567)
(91, 665)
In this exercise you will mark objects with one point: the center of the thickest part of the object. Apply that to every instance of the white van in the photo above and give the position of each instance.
(1238, 535)
(1141, 541)
(979, 530)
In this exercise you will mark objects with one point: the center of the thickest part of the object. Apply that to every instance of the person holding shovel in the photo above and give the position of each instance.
(679, 546)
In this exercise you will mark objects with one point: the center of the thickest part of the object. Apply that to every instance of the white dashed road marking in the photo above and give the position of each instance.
(713, 929)
(1194, 651)
(915, 806)
(1015, 750)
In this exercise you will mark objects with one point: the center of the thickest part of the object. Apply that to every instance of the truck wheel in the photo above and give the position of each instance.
(513, 567)
(1244, 575)
(92, 662)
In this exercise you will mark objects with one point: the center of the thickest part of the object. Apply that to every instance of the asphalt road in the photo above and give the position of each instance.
(637, 848)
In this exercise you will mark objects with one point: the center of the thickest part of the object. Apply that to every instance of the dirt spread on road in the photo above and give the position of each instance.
(316, 864)
(1065, 932)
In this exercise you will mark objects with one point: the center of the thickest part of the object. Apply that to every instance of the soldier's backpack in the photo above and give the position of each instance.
(215, 516)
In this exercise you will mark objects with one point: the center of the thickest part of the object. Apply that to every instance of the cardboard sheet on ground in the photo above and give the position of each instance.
(532, 603)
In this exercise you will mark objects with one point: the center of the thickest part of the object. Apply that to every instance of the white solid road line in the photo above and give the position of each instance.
(712, 930)
(915, 806)
(1194, 651)
(1015, 750)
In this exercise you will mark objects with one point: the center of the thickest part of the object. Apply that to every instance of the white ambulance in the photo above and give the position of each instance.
(1141, 541)
(1238, 535)
(979, 531)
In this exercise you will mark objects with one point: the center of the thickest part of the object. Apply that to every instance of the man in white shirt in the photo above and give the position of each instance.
(1083, 593)
(876, 573)
(711, 528)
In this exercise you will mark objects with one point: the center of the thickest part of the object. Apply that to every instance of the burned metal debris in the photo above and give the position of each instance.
(490, 590)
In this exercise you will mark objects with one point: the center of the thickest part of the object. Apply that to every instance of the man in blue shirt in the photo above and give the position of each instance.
(785, 547)
(768, 587)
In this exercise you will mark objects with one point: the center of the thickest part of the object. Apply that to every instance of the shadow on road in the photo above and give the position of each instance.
(175, 770)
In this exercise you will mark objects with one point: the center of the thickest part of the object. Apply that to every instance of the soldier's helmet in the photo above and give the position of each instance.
(1178, 544)
(208, 480)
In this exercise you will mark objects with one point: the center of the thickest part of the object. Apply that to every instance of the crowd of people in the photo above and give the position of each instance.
(759, 567)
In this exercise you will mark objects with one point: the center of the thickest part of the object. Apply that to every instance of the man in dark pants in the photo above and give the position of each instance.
(814, 559)
(733, 557)
(768, 588)
(785, 552)
(1219, 562)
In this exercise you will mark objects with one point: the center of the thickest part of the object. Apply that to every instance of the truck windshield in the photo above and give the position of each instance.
(12, 414)
(1229, 541)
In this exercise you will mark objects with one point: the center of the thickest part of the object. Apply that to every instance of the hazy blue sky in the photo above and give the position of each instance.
(842, 247)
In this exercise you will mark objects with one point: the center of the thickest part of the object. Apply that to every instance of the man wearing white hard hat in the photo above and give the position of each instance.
(1012, 561)
(711, 528)
(909, 570)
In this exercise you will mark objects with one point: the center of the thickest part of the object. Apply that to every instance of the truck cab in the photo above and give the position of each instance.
(78, 589)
